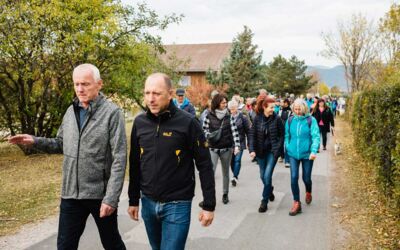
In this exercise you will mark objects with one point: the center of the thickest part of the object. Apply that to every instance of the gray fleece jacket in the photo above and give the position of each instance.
(95, 156)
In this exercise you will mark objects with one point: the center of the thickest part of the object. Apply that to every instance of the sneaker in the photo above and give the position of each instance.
(234, 181)
(295, 209)
(272, 196)
(201, 204)
(280, 159)
(287, 165)
(324, 148)
(263, 207)
(225, 199)
(308, 198)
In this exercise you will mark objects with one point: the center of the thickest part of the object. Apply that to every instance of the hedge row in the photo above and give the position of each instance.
(376, 126)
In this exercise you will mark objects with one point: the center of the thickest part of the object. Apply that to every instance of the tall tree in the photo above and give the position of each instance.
(41, 41)
(357, 47)
(287, 76)
(242, 69)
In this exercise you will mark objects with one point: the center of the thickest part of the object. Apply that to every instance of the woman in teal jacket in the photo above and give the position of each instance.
(302, 143)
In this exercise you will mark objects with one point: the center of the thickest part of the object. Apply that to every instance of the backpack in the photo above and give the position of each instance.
(309, 121)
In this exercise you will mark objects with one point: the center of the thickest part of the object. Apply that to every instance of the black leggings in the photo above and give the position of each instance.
(323, 135)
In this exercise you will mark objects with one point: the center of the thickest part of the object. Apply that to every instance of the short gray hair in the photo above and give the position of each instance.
(303, 106)
(233, 103)
(88, 66)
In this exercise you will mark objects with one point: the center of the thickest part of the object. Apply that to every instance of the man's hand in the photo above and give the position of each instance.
(312, 156)
(206, 218)
(134, 212)
(23, 139)
(106, 210)
(252, 155)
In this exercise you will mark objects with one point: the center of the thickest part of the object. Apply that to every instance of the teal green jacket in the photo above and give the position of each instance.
(301, 140)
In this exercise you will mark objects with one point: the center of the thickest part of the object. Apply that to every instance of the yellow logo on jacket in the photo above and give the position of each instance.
(168, 134)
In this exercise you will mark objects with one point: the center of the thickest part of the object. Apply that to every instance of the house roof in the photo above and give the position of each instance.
(199, 57)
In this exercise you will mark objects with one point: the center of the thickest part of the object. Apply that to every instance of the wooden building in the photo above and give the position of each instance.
(199, 58)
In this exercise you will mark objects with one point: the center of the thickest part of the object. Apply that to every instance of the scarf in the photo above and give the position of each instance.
(221, 113)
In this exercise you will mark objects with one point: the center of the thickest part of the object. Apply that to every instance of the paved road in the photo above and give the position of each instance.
(237, 225)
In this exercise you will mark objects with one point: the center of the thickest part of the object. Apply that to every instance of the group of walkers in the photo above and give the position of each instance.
(272, 130)
(167, 143)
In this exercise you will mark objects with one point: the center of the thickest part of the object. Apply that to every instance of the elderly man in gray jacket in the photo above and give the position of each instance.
(93, 141)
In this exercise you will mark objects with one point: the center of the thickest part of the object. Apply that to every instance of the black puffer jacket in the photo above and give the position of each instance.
(257, 135)
(327, 119)
(226, 140)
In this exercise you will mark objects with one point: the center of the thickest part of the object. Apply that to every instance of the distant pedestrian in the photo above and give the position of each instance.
(182, 102)
(285, 113)
(302, 143)
(266, 138)
(324, 117)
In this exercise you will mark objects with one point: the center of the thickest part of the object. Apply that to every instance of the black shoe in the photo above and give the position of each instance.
(272, 196)
(263, 207)
(234, 182)
(225, 199)
(324, 148)
(201, 204)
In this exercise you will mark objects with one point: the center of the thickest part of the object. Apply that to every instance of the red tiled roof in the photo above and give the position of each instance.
(200, 57)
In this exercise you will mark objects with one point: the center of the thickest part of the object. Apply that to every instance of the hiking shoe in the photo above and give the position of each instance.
(272, 196)
(295, 209)
(287, 165)
(234, 181)
(308, 198)
(263, 207)
(225, 199)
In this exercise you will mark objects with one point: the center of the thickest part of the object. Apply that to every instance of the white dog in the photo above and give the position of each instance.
(338, 148)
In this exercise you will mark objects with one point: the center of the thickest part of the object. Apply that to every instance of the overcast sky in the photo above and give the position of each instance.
(284, 27)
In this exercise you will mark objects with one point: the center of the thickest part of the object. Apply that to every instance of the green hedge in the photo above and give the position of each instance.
(376, 126)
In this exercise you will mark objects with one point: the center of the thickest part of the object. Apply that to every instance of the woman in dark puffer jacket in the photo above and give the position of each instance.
(324, 117)
(266, 138)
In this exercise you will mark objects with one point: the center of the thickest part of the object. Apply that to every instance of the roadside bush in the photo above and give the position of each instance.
(376, 125)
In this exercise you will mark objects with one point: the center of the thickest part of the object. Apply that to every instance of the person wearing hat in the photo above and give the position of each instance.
(183, 103)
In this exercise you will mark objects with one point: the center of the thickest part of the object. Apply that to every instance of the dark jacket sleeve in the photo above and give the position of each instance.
(332, 120)
(203, 162)
(134, 170)
(191, 109)
(252, 135)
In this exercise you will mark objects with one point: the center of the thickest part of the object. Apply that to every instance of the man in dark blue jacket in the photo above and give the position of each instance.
(165, 142)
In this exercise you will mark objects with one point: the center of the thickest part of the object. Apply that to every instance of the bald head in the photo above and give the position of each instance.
(160, 77)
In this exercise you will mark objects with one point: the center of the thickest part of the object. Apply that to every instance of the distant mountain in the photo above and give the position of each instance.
(331, 76)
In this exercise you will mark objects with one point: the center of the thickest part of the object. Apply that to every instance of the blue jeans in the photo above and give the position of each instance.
(306, 165)
(267, 165)
(167, 224)
(236, 164)
(72, 222)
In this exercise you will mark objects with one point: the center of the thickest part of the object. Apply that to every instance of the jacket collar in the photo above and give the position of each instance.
(167, 114)
(93, 105)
